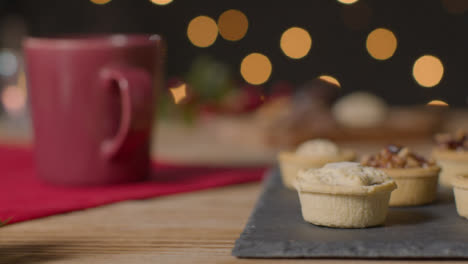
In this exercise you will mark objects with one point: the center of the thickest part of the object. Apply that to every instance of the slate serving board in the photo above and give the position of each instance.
(276, 230)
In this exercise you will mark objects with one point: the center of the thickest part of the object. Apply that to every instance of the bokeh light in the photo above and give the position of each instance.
(330, 79)
(13, 99)
(179, 93)
(296, 42)
(381, 44)
(347, 2)
(8, 63)
(202, 31)
(100, 2)
(233, 25)
(428, 70)
(437, 103)
(256, 68)
(161, 2)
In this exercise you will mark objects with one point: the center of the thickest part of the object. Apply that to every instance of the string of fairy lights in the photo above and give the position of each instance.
(157, 2)
(255, 68)
(296, 42)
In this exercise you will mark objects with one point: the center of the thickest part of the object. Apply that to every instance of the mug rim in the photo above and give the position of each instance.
(91, 41)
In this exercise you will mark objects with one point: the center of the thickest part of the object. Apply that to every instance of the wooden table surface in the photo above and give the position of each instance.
(197, 227)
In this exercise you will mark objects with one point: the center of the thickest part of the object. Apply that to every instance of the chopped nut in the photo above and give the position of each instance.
(399, 161)
(460, 135)
(394, 156)
(456, 141)
(403, 152)
(431, 162)
(445, 137)
(393, 148)
(412, 162)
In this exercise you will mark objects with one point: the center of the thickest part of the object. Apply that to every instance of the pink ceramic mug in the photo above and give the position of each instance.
(92, 103)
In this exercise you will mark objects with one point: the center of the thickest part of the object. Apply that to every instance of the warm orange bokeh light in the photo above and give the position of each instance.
(256, 68)
(13, 99)
(233, 25)
(296, 42)
(381, 43)
(330, 79)
(428, 71)
(347, 2)
(100, 2)
(179, 93)
(437, 103)
(202, 31)
(161, 2)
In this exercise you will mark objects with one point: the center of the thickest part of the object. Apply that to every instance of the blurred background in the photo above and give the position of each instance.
(253, 62)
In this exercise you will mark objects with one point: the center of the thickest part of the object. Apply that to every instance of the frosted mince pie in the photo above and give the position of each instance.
(451, 153)
(415, 176)
(360, 110)
(460, 190)
(344, 194)
(310, 154)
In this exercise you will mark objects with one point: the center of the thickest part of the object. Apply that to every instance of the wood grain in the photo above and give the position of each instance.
(198, 227)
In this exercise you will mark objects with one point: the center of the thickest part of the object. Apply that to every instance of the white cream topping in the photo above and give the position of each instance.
(343, 173)
(360, 109)
(318, 148)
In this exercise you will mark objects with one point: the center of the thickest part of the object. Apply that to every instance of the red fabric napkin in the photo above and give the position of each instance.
(24, 197)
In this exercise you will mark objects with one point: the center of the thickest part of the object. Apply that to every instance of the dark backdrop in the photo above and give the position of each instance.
(338, 32)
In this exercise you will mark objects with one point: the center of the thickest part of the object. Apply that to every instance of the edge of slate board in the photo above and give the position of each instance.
(251, 245)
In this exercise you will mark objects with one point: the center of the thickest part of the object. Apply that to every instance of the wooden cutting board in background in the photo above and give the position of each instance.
(200, 144)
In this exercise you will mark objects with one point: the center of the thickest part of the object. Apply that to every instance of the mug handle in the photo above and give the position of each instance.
(136, 96)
